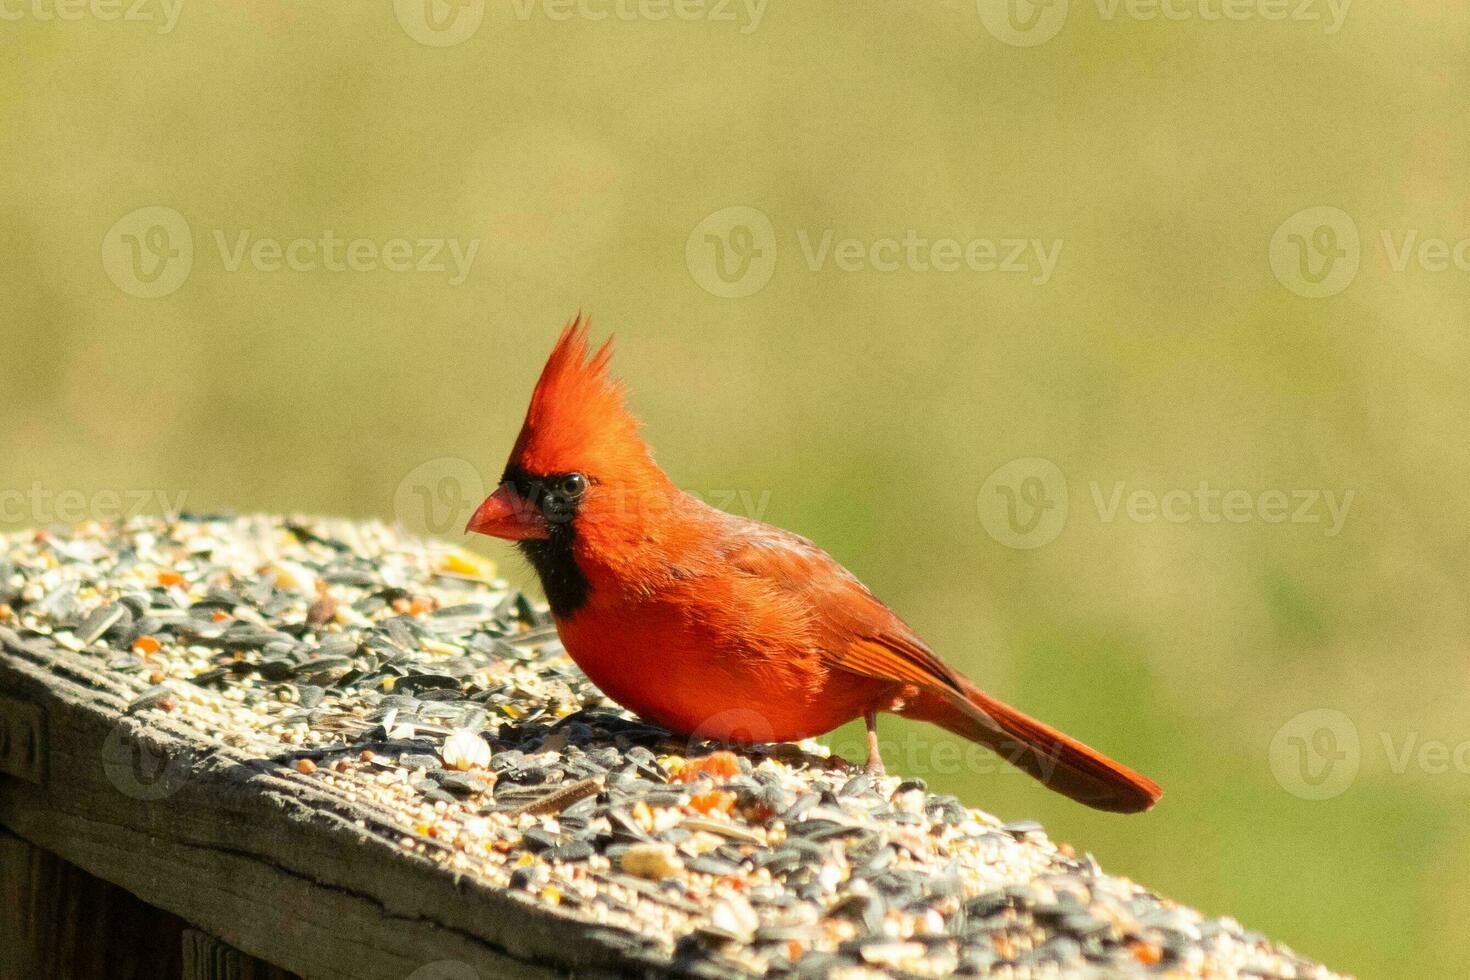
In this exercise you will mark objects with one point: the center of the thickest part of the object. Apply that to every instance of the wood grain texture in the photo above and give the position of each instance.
(260, 858)
(206, 958)
(58, 921)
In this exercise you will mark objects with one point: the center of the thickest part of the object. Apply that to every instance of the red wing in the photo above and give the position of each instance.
(858, 632)
(851, 630)
(893, 658)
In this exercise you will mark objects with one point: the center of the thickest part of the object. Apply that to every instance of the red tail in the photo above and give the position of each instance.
(1060, 762)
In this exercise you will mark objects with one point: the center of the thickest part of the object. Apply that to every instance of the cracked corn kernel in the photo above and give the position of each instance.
(464, 563)
(1146, 953)
(710, 802)
(642, 815)
(719, 765)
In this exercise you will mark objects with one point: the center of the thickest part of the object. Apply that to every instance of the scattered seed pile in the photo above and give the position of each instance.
(405, 676)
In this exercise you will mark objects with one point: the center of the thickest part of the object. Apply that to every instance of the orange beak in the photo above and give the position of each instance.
(506, 514)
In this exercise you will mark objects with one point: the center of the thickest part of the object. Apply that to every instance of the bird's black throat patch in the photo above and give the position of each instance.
(565, 586)
(556, 566)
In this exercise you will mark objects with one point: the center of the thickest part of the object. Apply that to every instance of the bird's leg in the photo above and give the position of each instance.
(875, 759)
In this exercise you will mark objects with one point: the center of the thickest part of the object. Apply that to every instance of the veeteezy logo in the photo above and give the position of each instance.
(1317, 252)
(445, 23)
(40, 505)
(1025, 504)
(1034, 257)
(1027, 23)
(150, 253)
(748, 14)
(732, 253)
(1318, 754)
(1329, 13)
(164, 13)
(334, 254)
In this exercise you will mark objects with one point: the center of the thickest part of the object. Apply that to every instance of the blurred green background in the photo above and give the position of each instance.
(590, 155)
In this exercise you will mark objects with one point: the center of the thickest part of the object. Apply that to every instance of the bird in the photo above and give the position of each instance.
(724, 628)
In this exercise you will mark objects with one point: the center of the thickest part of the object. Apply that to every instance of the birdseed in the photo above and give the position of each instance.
(404, 677)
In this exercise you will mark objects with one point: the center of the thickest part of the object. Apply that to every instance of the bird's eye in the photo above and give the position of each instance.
(572, 486)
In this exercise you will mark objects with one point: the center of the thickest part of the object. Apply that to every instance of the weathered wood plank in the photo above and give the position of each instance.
(58, 921)
(206, 958)
(267, 863)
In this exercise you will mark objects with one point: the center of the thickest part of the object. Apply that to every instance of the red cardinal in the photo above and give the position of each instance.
(722, 627)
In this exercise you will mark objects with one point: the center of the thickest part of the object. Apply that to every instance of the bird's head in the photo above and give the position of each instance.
(579, 459)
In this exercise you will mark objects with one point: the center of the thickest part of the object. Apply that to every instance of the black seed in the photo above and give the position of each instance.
(534, 775)
(820, 830)
(663, 798)
(507, 760)
(211, 676)
(137, 603)
(148, 698)
(277, 669)
(706, 864)
(798, 809)
(427, 682)
(102, 620)
(575, 851)
(335, 645)
(464, 785)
